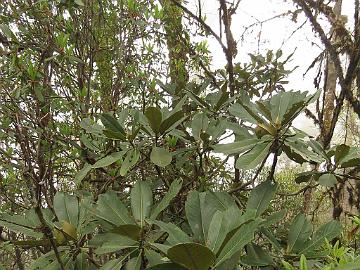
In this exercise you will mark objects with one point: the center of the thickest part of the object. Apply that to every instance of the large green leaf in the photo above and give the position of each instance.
(176, 235)
(115, 263)
(237, 242)
(256, 256)
(352, 159)
(132, 157)
(218, 230)
(129, 230)
(111, 209)
(199, 125)
(224, 224)
(236, 147)
(327, 180)
(171, 122)
(341, 151)
(274, 218)
(261, 196)
(160, 156)
(194, 214)
(154, 116)
(141, 201)
(328, 231)
(111, 123)
(172, 192)
(25, 223)
(66, 208)
(219, 201)
(192, 256)
(245, 113)
(299, 232)
(214, 201)
(49, 261)
(253, 157)
(82, 173)
(134, 263)
(108, 160)
(300, 148)
(116, 244)
(153, 257)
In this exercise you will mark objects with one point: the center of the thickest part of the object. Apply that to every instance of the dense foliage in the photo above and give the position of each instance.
(120, 148)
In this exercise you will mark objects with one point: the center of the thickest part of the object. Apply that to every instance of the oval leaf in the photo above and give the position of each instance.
(192, 256)
(160, 156)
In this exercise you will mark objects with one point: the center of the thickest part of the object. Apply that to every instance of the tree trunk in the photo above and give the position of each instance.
(177, 43)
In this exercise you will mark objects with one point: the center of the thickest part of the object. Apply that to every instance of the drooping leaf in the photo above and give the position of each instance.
(114, 135)
(199, 125)
(66, 208)
(116, 244)
(171, 122)
(172, 192)
(134, 263)
(219, 201)
(131, 158)
(237, 242)
(115, 263)
(327, 231)
(236, 147)
(224, 224)
(306, 176)
(141, 201)
(112, 124)
(160, 156)
(301, 149)
(261, 196)
(352, 159)
(108, 160)
(131, 231)
(154, 116)
(194, 214)
(253, 157)
(274, 218)
(256, 256)
(192, 256)
(217, 231)
(245, 113)
(299, 232)
(176, 235)
(341, 151)
(327, 180)
(25, 223)
(153, 257)
(111, 209)
(82, 173)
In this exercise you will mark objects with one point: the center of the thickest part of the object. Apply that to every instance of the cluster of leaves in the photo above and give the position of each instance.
(217, 233)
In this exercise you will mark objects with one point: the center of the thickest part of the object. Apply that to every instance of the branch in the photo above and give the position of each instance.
(344, 81)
